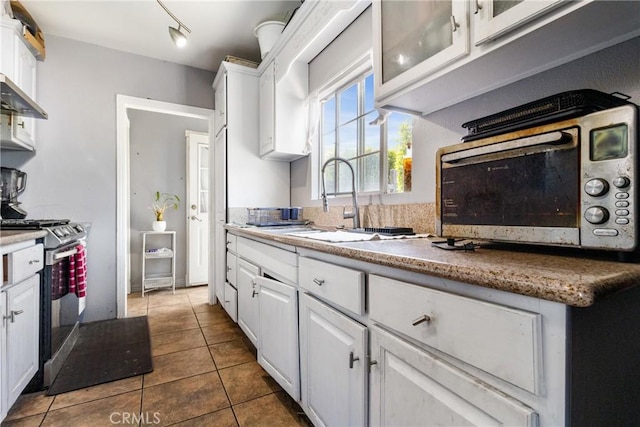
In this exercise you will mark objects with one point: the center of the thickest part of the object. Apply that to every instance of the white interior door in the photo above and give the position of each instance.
(197, 208)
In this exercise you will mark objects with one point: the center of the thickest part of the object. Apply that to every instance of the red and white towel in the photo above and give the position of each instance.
(79, 279)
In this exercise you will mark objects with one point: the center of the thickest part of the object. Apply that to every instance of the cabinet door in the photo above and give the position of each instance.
(493, 18)
(410, 386)
(333, 364)
(267, 110)
(278, 335)
(220, 218)
(248, 300)
(232, 268)
(231, 301)
(23, 302)
(220, 105)
(414, 38)
(3, 358)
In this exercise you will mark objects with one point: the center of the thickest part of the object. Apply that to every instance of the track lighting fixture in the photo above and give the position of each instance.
(178, 37)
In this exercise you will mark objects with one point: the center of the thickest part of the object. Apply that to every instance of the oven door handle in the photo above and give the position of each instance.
(52, 257)
(553, 138)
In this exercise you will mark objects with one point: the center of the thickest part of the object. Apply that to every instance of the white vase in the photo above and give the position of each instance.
(267, 34)
(159, 225)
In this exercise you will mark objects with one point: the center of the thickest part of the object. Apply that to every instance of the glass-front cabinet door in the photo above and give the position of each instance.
(414, 38)
(494, 18)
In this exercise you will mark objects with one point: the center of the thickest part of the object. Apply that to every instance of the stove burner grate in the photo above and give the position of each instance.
(31, 224)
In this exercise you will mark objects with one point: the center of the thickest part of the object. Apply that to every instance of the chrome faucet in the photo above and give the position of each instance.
(355, 212)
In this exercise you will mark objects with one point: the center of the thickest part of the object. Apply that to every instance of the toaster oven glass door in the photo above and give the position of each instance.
(536, 187)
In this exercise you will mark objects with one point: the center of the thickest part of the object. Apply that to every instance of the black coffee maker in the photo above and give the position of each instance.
(12, 184)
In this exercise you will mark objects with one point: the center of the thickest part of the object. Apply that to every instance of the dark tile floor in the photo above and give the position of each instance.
(205, 374)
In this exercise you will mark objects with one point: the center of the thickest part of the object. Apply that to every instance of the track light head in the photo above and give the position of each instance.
(178, 38)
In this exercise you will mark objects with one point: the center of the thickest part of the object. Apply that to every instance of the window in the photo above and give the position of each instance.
(346, 132)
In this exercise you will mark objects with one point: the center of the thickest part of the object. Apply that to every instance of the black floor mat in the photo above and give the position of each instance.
(106, 351)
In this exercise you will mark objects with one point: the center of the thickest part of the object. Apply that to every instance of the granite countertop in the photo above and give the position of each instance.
(8, 237)
(568, 276)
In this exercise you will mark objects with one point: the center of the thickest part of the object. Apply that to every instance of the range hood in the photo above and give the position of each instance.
(14, 100)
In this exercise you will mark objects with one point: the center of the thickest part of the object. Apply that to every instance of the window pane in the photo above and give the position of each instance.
(345, 177)
(329, 115)
(371, 173)
(399, 138)
(368, 94)
(330, 178)
(371, 134)
(348, 145)
(349, 103)
(328, 146)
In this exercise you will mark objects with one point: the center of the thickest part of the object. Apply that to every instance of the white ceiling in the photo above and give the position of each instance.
(218, 27)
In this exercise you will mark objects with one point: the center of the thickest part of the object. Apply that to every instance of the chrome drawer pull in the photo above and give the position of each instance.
(253, 294)
(352, 359)
(421, 319)
(318, 282)
(34, 261)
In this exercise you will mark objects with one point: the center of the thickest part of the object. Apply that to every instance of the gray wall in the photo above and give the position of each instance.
(158, 163)
(73, 173)
(609, 70)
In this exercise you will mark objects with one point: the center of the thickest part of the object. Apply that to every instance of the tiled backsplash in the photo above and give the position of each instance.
(419, 216)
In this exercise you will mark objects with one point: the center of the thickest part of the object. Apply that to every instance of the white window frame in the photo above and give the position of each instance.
(359, 69)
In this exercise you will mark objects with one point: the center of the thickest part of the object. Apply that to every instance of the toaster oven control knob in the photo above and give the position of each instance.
(621, 182)
(596, 187)
(596, 215)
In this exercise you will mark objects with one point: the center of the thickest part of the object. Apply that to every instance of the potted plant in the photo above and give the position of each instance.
(163, 202)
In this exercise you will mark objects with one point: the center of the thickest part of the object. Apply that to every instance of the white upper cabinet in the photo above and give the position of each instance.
(220, 105)
(284, 112)
(417, 37)
(432, 54)
(267, 110)
(493, 18)
(19, 64)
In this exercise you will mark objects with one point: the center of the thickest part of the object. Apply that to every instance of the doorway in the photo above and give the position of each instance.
(123, 105)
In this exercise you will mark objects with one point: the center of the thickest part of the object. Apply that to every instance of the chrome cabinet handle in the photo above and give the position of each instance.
(421, 319)
(318, 282)
(34, 261)
(228, 268)
(253, 283)
(21, 124)
(352, 359)
(254, 293)
(478, 7)
(454, 24)
(13, 315)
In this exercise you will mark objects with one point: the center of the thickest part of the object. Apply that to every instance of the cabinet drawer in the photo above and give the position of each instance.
(500, 340)
(24, 263)
(232, 242)
(339, 285)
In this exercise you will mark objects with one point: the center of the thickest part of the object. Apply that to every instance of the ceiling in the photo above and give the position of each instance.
(218, 27)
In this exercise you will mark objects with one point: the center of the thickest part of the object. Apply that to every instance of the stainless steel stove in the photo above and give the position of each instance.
(60, 232)
(60, 304)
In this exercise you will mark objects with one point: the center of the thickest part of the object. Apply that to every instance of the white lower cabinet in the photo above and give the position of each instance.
(248, 314)
(20, 328)
(333, 364)
(411, 386)
(278, 351)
